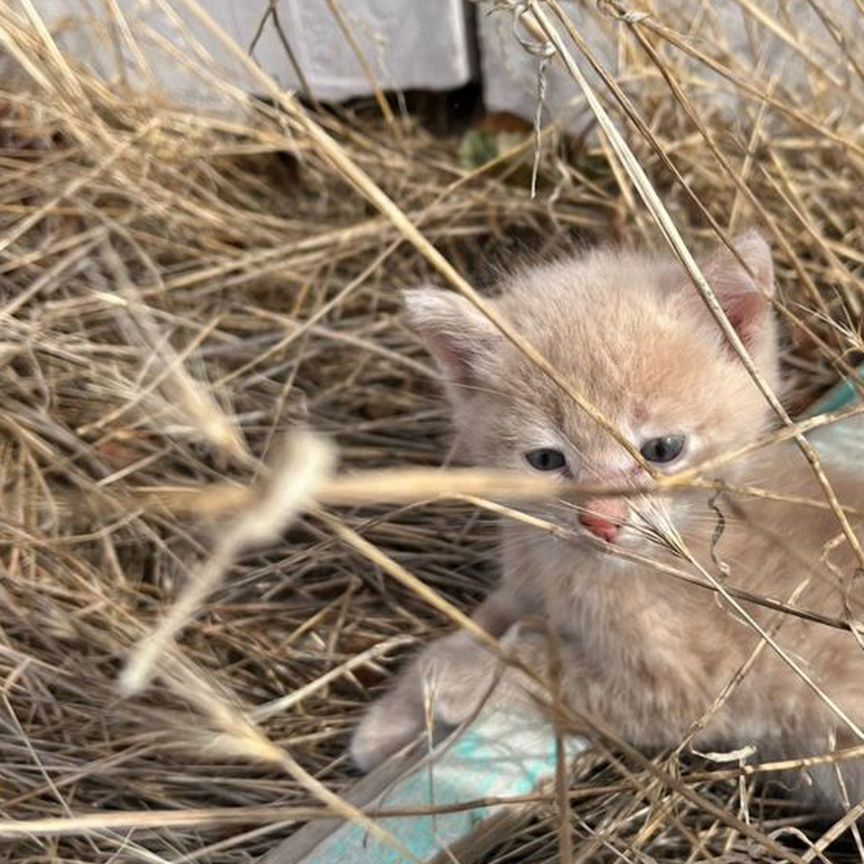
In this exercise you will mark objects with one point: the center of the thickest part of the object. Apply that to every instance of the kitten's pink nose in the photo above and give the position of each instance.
(603, 517)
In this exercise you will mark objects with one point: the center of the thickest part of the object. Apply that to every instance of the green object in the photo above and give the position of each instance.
(479, 146)
(839, 396)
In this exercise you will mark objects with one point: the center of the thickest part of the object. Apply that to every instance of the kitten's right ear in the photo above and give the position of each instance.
(457, 335)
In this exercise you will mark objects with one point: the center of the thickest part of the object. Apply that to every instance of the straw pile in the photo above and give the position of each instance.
(178, 291)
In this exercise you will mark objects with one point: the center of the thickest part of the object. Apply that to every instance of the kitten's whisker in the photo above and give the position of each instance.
(656, 515)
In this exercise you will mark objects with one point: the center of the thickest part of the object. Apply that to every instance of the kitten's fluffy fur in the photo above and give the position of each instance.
(646, 653)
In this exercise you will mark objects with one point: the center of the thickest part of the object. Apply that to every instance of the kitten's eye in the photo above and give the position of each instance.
(667, 448)
(546, 459)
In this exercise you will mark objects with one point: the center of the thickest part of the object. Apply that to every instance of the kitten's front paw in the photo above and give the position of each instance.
(446, 684)
(458, 675)
(384, 730)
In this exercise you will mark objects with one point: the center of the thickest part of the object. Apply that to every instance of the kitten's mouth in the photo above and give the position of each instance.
(621, 540)
(626, 538)
(585, 525)
(608, 524)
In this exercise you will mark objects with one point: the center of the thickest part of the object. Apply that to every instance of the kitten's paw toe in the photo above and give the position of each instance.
(453, 709)
(381, 733)
(459, 698)
(459, 677)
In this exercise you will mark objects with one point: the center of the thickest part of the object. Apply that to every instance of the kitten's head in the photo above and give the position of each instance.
(631, 334)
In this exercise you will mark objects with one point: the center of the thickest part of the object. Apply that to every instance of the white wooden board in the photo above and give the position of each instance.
(429, 48)
(509, 73)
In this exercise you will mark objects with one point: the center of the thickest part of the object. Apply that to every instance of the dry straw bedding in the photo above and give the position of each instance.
(177, 291)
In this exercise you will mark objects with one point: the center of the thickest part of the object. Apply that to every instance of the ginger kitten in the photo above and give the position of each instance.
(646, 653)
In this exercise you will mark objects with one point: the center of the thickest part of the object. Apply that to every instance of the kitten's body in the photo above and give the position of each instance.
(645, 652)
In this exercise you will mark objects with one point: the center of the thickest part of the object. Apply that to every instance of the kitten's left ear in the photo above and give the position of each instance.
(745, 298)
(457, 335)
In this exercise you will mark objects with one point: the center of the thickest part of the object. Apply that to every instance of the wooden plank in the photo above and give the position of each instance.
(428, 49)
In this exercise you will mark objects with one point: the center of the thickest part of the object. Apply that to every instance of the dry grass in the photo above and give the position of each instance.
(179, 291)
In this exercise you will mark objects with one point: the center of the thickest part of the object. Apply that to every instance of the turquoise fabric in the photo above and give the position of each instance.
(501, 754)
(838, 397)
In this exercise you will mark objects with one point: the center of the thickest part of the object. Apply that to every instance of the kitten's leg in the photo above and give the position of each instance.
(451, 677)
(444, 679)
(467, 675)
